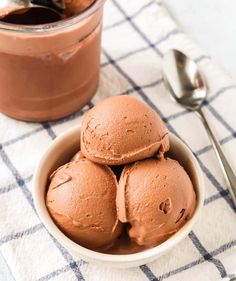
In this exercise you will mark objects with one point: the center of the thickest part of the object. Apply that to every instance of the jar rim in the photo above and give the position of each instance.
(55, 26)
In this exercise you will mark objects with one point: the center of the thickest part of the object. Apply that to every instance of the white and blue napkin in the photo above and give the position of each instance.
(136, 35)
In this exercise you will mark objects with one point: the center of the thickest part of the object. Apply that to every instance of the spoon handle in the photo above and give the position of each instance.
(228, 171)
(231, 277)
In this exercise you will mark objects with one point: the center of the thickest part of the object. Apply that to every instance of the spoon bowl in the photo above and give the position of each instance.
(183, 80)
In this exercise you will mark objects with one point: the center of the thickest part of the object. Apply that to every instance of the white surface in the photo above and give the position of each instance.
(212, 25)
(5, 274)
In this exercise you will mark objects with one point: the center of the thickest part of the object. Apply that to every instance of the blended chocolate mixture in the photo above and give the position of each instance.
(49, 73)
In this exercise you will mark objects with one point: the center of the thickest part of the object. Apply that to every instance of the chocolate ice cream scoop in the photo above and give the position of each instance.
(122, 129)
(81, 201)
(156, 197)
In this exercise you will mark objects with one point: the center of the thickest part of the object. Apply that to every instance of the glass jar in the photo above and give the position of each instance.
(50, 71)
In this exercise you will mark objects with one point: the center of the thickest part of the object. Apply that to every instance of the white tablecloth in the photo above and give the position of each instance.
(136, 35)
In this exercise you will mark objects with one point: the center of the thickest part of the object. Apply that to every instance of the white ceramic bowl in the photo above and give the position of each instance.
(61, 150)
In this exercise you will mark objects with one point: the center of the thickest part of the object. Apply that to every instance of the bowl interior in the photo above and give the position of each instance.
(184, 156)
(62, 150)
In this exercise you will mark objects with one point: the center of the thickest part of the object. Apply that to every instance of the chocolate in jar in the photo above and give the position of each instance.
(49, 66)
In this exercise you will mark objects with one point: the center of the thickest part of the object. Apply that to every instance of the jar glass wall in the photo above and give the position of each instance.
(52, 70)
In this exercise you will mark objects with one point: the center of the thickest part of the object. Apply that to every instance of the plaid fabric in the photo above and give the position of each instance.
(136, 34)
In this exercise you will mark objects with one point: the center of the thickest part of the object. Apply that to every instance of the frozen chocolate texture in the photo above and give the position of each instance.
(122, 129)
(156, 197)
(81, 201)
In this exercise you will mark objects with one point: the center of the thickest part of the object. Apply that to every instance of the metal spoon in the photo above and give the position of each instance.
(188, 88)
(11, 6)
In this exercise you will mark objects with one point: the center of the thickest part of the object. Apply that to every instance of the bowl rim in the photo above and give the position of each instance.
(111, 258)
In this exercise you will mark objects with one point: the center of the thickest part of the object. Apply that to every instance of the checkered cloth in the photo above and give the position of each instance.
(136, 35)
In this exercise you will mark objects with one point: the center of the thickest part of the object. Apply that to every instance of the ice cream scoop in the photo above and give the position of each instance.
(122, 129)
(155, 197)
(81, 201)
